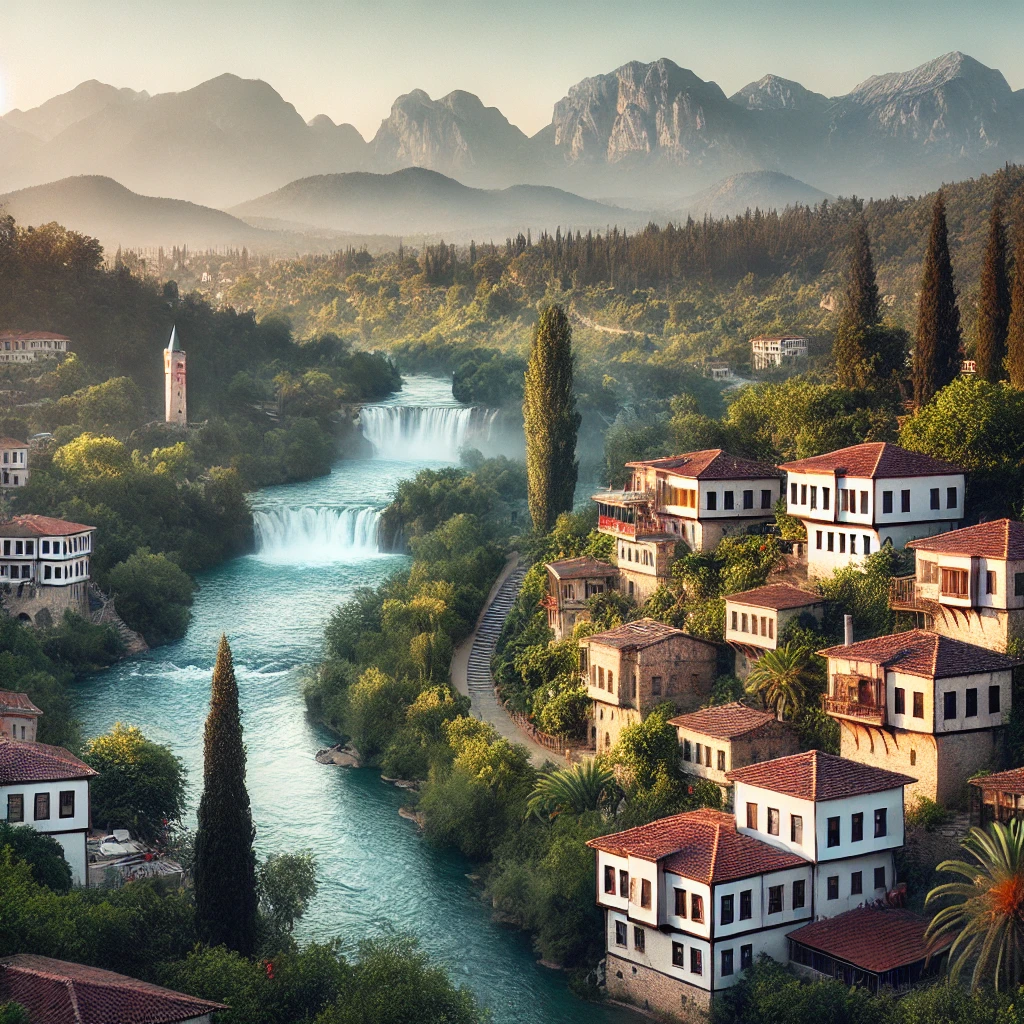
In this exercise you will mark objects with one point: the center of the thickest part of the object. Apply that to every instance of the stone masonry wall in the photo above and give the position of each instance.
(651, 990)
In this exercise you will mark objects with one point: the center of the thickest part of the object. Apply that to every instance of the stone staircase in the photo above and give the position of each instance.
(479, 680)
(103, 612)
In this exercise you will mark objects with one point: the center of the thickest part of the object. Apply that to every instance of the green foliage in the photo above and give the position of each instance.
(993, 301)
(588, 785)
(780, 680)
(646, 750)
(153, 596)
(41, 852)
(286, 883)
(925, 813)
(1015, 327)
(13, 1013)
(864, 593)
(377, 707)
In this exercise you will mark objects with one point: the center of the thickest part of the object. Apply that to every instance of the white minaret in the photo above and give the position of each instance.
(174, 382)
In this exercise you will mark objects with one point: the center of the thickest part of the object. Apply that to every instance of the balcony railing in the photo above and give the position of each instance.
(872, 713)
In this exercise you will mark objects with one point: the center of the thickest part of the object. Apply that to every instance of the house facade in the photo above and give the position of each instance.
(771, 350)
(631, 669)
(692, 900)
(571, 583)
(854, 500)
(920, 702)
(13, 462)
(19, 717)
(30, 346)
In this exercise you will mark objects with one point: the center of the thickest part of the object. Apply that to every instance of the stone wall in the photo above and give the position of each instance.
(44, 606)
(652, 990)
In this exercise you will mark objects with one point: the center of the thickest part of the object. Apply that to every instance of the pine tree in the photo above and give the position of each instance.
(224, 868)
(1015, 330)
(993, 301)
(937, 349)
(860, 311)
(550, 420)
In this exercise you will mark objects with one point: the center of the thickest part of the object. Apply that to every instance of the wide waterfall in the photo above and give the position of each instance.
(315, 534)
(409, 433)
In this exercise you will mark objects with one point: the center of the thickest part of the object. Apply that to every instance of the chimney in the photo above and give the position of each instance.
(847, 630)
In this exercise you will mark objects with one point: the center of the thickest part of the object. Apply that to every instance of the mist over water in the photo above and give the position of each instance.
(423, 433)
(313, 536)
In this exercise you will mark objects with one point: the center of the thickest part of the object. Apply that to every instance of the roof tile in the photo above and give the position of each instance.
(815, 775)
(21, 761)
(712, 464)
(873, 460)
(11, 700)
(725, 721)
(577, 568)
(1001, 538)
(639, 633)
(778, 596)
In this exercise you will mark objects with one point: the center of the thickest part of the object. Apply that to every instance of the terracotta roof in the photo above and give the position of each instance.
(58, 992)
(1001, 538)
(713, 464)
(575, 568)
(724, 721)
(875, 459)
(11, 700)
(875, 939)
(919, 652)
(1011, 781)
(45, 526)
(640, 633)
(32, 336)
(9, 442)
(815, 775)
(779, 337)
(702, 845)
(21, 761)
(778, 596)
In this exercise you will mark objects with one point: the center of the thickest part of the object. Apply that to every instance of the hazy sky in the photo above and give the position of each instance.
(349, 59)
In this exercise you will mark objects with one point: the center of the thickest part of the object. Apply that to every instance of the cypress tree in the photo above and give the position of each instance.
(224, 869)
(937, 350)
(1015, 330)
(550, 420)
(860, 311)
(993, 301)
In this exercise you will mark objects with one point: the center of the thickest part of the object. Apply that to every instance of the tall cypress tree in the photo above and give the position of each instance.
(1015, 330)
(224, 869)
(859, 314)
(937, 350)
(550, 420)
(993, 301)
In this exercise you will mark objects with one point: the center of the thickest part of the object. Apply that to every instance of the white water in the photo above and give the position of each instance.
(424, 433)
(311, 535)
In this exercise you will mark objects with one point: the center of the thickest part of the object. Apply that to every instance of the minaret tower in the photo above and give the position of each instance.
(174, 381)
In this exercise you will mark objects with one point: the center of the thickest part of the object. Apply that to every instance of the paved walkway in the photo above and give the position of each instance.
(471, 664)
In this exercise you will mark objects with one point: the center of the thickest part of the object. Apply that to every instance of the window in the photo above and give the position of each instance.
(904, 501)
(971, 703)
(879, 878)
(857, 827)
(727, 500)
(792, 494)
(15, 807)
(42, 802)
(656, 685)
(748, 499)
(844, 500)
(645, 894)
(771, 629)
(773, 821)
(913, 757)
(993, 700)
(751, 815)
(799, 893)
(698, 755)
(831, 541)
(735, 621)
(825, 492)
(746, 905)
(833, 887)
(853, 543)
(678, 955)
(67, 803)
(46, 547)
(856, 883)
(833, 831)
(609, 880)
(1018, 584)
(863, 503)
(721, 760)
(950, 497)
(746, 957)
(744, 627)
(623, 884)
(900, 701)
(842, 543)
(918, 704)
(949, 705)
(639, 939)
(696, 908)
(796, 828)
(817, 539)
(712, 501)
(766, 499)
(954, 582)
(680, 902)
(726, 962)
(620, 933)
(803, 494)
(611, 681)
(600, 678)
(774, 899)
(696, 961)
(814, 496)
(881, 823)
(686, 750)
(990, 582)
(886, 501)
(753, 624)
(867, 544)
(933, 496)
(727, 910)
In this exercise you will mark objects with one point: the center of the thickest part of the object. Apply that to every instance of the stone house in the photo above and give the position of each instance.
(13, 462)
(571, 583)
(18, 716)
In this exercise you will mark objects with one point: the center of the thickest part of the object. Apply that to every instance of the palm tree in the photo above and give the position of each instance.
(987, 915)
(780, 679)
(587, 785)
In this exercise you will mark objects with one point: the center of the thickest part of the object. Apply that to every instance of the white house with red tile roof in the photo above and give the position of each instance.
(922, 702)
(571, 583)
(13, 462)
(47, 788)
(968, 584)
(29, 346)
(59, 992)
(691, 901)
(854, 500)
(18, 716)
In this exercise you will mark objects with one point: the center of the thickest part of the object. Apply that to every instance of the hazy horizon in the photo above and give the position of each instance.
(350, 60)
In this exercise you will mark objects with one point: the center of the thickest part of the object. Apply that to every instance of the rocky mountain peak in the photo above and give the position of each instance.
(775, 93)
(934, 74)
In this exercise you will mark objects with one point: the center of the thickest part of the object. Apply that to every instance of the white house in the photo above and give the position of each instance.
(13, 462)
(754, 619)
(854, 500)
(29, 346)
(691, 901)
(572, 582)
(769, 350)
(47, 788)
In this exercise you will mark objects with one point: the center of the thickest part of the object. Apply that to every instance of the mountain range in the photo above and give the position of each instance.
(642, 131)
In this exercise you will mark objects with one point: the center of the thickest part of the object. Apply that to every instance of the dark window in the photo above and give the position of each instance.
(697, 909)
(721, 760)
(1018, 584)
(950, 497)
(712, 501)
(814, 496)
(623, 884)
(831, 541)
(696, 961)
(799, 893)
(678, 955)
(993, 700)
(680, 903)
(867, 544)
(990, 582)
(727, 500)
(863, 503)
(817, 539)
(645, 894)
(833, 887)
(639, 939)
(856, 883)
(766, 499)
(792, 497)
(609, 880)
(900, 701)
(774, 899)
(933, 496)
(879, 878)
(620, 933)
(844, 500)
(842, 543)
(904, 501)
(656, 686)
(918, 704)
(773, 821)
(857, 827)
(803, 494)
(796, 828)
(726, 962)
(42, 808)
(687, 756)
(886, 501)
(746, 905)
(881, 822)
(748, 499)
(751, 815)
(727, 906)
(971, 703)
(67, 803)
(746, 957)
(833, 831)
(15, 807)
(949, 705)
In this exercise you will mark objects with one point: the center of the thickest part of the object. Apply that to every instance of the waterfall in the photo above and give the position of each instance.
(315, 534)
(410, 433)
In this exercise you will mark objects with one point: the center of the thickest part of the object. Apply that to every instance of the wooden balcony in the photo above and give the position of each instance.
(839, 707)
(905, 595)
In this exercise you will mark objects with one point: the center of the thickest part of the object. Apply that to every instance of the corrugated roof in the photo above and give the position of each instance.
(815, 775)
(712, 464)
(1001, 538)
(575, 568)
(778, 596)
(639, 633)
(725, 721)
(21, 761)
(873, 460)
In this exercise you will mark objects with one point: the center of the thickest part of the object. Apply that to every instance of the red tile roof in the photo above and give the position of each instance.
(32, 336)
(58, 992)
(701, 845)
(577, 568)
(875, 459)
(11, 700)
(779, 337)
(815, 775)
(1011, 781)
(919, 652)
(875, 939)
(21, 761)
(712, 464)
(9, 442)
(1001, 538)
(724, 721)
(47, 526)
(778, 596)
(640, 633)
